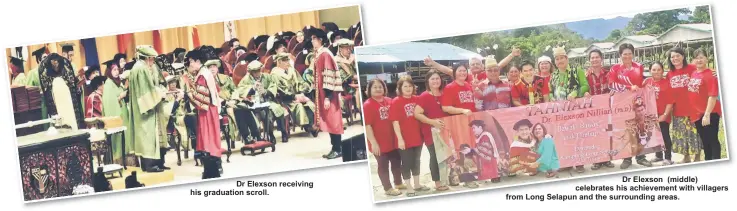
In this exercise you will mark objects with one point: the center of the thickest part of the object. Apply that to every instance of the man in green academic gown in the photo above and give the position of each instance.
(264, 87)
(148, 126)
(292, 88)
(32, 79)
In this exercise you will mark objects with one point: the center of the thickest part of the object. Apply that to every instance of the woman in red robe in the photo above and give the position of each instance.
(328, 90)
(206, 101)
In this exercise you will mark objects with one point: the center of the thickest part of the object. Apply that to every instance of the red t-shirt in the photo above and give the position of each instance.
(679, 80)
(621, 78)
(521, 90)
(598, 84)
(701, 86)
(459, 96)
(431, 105)
(403, 111)
(663, 94)
(377, 115)
(481, 76)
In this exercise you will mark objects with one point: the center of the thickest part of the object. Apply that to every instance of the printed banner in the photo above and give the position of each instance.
(549, 136)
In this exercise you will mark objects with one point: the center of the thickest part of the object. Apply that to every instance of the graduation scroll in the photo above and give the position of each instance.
(561, 134)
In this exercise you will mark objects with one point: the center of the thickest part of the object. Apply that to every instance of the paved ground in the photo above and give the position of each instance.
(426, 179)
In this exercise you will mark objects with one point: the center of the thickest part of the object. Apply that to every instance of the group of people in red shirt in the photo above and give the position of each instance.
(398, 128)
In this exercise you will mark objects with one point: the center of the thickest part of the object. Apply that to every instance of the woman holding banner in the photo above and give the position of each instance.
(380, 136)
(407, 130)
(428, 111)
(627, 75)
(664, 99)
(703, 90)
(686, 140)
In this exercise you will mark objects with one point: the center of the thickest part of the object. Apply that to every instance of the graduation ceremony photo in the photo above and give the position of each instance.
(542, 103)
(178, 105)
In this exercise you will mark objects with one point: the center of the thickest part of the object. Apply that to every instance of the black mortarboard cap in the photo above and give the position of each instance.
(109, 63)
(16, 62)
(90, 70)
(97, 82)
(276, 45)
(66, 47)
(129, 65)
(119, 56)
(39, 53)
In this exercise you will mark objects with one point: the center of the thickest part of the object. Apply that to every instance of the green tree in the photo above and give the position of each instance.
(701, 15)
(614, 35)
(656, 22)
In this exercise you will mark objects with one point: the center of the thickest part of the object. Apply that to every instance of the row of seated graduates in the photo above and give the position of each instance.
(258, 45)
(295, 46)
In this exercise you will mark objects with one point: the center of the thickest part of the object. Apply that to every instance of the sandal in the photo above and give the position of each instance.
(470, 185)
(422, 188)
(412, 194)
(442, 188)
(400, 187)
(580, 169)
(393, 192)
(551, 174)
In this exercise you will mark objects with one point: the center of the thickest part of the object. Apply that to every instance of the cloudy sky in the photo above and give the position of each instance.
(630, 15)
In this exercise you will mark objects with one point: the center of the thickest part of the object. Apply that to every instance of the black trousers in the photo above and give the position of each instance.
(268, 123)
(190, 121)
(411, 161)
(247, 124)
(434, 168)
(665, 130)
(336, 142)
(710, 137)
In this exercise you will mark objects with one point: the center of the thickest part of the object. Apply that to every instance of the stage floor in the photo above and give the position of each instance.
(301, 152)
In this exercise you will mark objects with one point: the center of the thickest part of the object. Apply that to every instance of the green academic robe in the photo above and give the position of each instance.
(111, 106)
(227, 87)
(291, 83)
(269, 84)
(32, 79)
(148, 128)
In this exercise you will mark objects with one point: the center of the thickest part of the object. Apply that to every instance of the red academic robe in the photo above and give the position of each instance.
(93, 105)
(327, 78)
(208, 119)
(487, 161)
